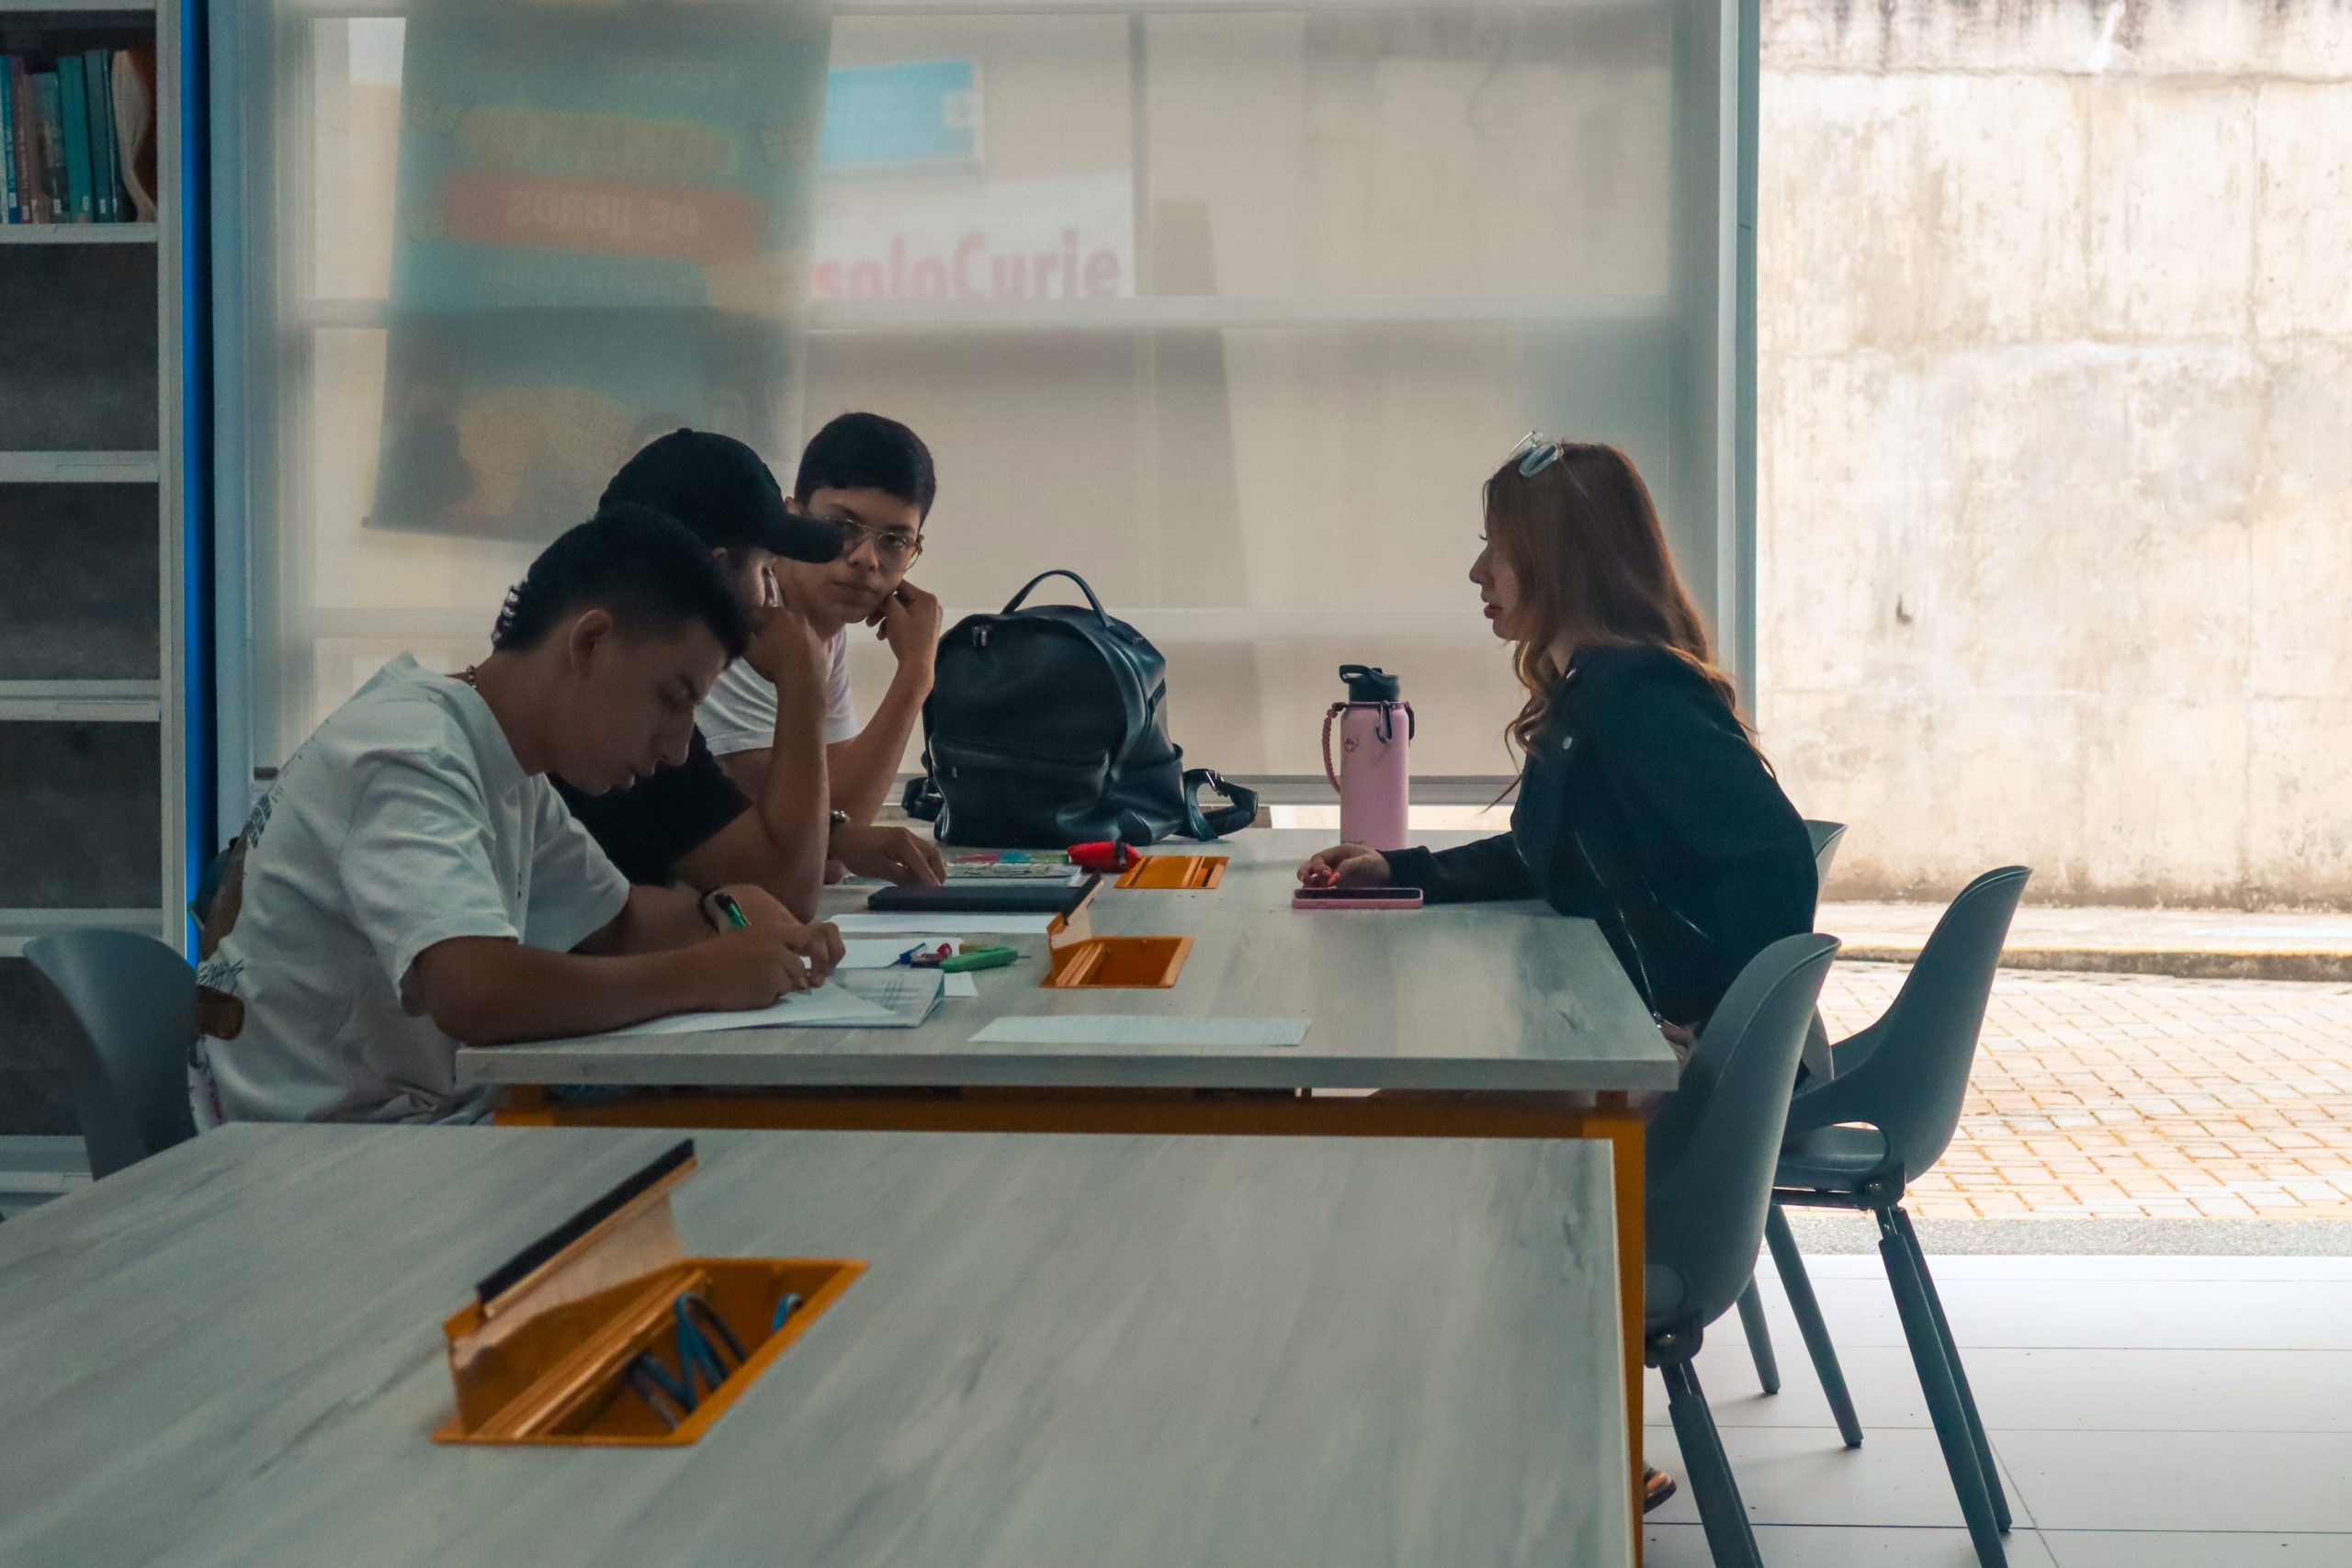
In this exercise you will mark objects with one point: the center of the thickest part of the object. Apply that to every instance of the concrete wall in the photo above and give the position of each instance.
(2055, 389)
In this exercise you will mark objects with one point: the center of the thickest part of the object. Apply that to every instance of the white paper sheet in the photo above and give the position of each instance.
(1130, 1029)
(913, 924)
(896, 998)
(830, 1007)
(958, 986)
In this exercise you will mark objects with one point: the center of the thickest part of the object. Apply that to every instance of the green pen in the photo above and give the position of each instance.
(978, 958)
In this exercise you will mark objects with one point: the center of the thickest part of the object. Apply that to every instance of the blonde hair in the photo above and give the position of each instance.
(1583, 538)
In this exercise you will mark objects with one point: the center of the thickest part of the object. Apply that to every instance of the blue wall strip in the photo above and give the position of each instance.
(198, 666)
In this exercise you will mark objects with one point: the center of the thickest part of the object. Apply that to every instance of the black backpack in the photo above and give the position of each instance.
(1048, 726)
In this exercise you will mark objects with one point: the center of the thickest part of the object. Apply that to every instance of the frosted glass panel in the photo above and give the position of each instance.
(1230, 310)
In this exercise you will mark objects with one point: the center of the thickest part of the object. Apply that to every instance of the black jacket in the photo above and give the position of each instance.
(1644, 808)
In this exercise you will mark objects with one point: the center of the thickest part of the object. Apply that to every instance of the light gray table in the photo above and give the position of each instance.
(1482, 1013)
(1155, 1353)
(1502, 997)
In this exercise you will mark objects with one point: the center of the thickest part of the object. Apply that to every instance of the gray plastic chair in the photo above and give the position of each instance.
(1853, 1142)
(1708, 1185)
(1819, 1068)
(128, 1004)
(1819, 1064)
(1826, 837)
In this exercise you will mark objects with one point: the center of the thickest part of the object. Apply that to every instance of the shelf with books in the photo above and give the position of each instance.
(93, 757)
(77, 121)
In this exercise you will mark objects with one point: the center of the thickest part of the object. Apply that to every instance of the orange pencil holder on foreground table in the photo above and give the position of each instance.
(544, 1353)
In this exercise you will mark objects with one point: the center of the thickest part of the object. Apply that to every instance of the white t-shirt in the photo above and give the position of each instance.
(404, 821)
(740, 713)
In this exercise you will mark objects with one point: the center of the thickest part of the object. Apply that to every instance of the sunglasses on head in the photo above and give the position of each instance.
(1536, 452)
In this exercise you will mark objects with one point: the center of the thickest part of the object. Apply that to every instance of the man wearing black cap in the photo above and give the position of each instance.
(692, 823)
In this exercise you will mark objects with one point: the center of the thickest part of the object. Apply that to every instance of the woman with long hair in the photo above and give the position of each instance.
(1642, 801)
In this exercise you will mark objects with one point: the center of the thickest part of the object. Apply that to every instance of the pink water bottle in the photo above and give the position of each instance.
(1375, 776)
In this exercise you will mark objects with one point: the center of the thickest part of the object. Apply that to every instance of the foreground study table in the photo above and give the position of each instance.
(1153, 1353)
(1485, 1012)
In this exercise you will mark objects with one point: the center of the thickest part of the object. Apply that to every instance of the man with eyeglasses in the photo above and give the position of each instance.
(693, 823)
(872, 478)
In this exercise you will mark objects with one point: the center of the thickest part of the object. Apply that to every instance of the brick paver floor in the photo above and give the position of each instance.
(2124, 1095)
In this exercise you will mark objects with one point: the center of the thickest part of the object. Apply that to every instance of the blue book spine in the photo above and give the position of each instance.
(52, 149)
(106, 186)
(73, 97)
(16, 213)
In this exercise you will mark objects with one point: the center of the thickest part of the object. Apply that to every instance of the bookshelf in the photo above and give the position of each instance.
(91, 751)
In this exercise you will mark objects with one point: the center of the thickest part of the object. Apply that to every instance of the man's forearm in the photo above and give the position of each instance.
(791, 795)
(502, 991)
(867, 765)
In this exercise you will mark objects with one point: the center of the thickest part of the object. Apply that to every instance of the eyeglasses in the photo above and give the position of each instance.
(1536, 452)
(893, 549)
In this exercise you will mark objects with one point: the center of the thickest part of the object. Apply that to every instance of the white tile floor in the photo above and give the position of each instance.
(2145, 1411)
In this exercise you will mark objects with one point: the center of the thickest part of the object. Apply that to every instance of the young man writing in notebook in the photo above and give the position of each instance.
(693, 823)
(872, 478)
(412, 880)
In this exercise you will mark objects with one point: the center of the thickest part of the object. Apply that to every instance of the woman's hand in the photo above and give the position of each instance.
(1345, 865)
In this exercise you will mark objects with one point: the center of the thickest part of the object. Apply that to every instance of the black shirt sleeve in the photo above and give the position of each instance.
(650, 827)
(1491, 868)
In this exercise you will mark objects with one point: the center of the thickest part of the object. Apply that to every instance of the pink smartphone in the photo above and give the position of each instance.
(1356, 898)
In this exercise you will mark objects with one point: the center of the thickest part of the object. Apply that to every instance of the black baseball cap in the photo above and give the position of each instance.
(717, 487)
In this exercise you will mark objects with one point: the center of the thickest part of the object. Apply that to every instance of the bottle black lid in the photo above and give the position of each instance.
(1368, 683)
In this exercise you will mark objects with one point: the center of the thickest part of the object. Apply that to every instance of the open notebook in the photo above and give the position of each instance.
(852, 999)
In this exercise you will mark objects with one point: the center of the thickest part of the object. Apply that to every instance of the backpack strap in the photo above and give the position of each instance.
(922, 800)
(1232, 819)
(1031, 586)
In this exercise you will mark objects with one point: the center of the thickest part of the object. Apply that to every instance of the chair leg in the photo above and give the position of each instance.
(1798, 1286)
(1943, 1399)
(1958, 1372)
(1731, 1542)
(1760, 1338)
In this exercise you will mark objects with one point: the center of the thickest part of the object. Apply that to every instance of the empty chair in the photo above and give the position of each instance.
(1856, 1141)
(1826, 837)
(1711, 1154)
(128, 1006)
(1819, 1066)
